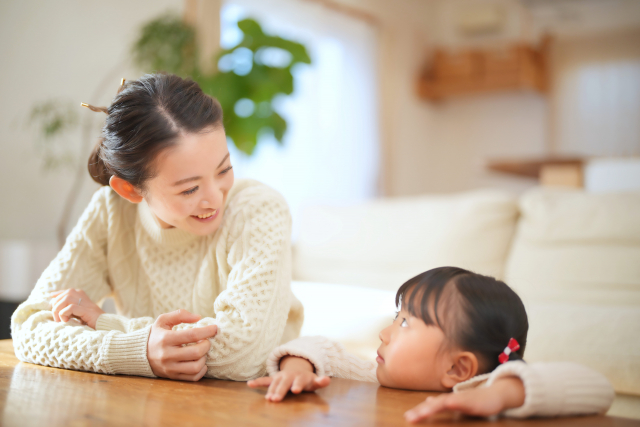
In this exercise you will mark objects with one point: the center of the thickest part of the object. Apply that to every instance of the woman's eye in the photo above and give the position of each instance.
(226, 170)
(404, 323)
(190, 191)
(396, 316)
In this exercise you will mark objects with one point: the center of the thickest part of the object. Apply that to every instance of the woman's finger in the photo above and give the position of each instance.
(189, 353)
(67, 293)
(56, 293)
(59, 304)
(190, 368)
(193, 352)
(188, 336)
(71, 310)
(186, 377)
(260, 382)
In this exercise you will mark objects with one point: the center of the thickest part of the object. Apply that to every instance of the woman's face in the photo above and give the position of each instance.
(192, 181)
(410, 355)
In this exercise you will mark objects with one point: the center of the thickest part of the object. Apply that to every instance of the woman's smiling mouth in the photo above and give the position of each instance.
(206, 217)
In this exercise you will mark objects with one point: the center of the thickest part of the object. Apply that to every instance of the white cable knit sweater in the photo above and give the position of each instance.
(237, 278)
(551, 389)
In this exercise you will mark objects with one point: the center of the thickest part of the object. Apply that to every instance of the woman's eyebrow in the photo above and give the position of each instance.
(225, 158)
(194, 178)
(182, 181)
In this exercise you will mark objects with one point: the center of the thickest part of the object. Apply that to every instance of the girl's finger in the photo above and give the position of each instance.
(260, 382)
(430, 407)
(319, 382)
(272, 387)
(282, 389)
(299, 384)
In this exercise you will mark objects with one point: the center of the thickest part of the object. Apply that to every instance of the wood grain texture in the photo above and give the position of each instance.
(32, 395)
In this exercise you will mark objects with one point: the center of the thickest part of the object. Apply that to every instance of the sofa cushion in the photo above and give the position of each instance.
(383, 243)
(575, 261)
(577, 247)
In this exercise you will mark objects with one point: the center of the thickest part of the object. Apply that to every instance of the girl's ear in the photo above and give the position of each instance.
(464, 367)
(125, 189)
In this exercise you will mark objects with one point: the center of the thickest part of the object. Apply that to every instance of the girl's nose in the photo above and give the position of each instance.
(384, 335)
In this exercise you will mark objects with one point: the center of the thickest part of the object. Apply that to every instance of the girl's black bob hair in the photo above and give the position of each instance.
(477, 313)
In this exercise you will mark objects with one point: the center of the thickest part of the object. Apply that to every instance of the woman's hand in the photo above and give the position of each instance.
(296, 374)
(167, 350)
(505, 393)
(74, 303)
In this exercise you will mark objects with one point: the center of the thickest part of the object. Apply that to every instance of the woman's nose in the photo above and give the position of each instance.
(212, 198)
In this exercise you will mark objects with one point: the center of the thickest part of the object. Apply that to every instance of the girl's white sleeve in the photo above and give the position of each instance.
(252, 311)
(329, 358)
(552, 389)
(82, 264)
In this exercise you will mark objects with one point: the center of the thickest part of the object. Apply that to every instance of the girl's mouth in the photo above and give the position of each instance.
(379, 359)
(208, 217)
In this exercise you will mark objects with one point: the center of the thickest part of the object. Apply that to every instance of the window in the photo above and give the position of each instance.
(331, 148)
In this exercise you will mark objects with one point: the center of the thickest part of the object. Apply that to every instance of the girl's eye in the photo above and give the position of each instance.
(396, 316)
(226, 170)
(404, 323)
(190, 191)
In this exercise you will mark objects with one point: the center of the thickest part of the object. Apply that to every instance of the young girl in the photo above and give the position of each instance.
(169, 234)
(456, 330)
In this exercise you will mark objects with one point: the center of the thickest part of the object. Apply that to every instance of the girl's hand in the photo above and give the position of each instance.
(505, 393)
(74, 303)
(296, 374)
(168, 351)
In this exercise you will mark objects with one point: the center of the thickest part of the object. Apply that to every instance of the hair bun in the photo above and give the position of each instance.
(97, 169)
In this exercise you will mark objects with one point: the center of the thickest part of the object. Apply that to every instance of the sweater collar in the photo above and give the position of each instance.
(162, 236)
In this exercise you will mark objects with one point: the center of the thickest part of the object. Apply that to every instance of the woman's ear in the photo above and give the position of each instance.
(125, 189)
(464, 366)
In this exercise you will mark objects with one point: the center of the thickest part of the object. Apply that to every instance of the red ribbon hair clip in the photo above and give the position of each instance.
(510, 348)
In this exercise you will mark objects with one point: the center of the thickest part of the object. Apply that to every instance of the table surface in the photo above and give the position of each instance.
(37, 395)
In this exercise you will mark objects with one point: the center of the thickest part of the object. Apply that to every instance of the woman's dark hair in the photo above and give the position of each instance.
(145, 118)
(489, 314)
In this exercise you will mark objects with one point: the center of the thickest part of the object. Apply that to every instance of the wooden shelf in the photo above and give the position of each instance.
(518, 67)
(551, 171)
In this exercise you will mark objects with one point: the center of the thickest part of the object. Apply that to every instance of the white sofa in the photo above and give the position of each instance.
(573, 257)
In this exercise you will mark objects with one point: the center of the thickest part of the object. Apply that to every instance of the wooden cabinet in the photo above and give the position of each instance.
(517, 67)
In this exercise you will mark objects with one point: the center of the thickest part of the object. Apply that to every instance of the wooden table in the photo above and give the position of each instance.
(37, 395)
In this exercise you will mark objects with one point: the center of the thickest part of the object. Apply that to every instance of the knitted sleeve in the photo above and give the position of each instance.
(82, 264)
(254, 262)
(328, 358)
(552, 389)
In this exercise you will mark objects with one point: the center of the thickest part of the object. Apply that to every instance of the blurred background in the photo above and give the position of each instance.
(489, 134)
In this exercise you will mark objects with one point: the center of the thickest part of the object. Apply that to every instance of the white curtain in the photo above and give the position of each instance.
(330, 153)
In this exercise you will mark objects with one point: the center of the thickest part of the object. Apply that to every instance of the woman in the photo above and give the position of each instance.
(199, 267)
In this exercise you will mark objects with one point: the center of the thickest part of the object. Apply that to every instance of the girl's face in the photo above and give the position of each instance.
(193, 180)
(410, 355)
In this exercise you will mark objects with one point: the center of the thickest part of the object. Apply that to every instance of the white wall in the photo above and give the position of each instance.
(596, 99)
(60, 49)
(443, 147)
